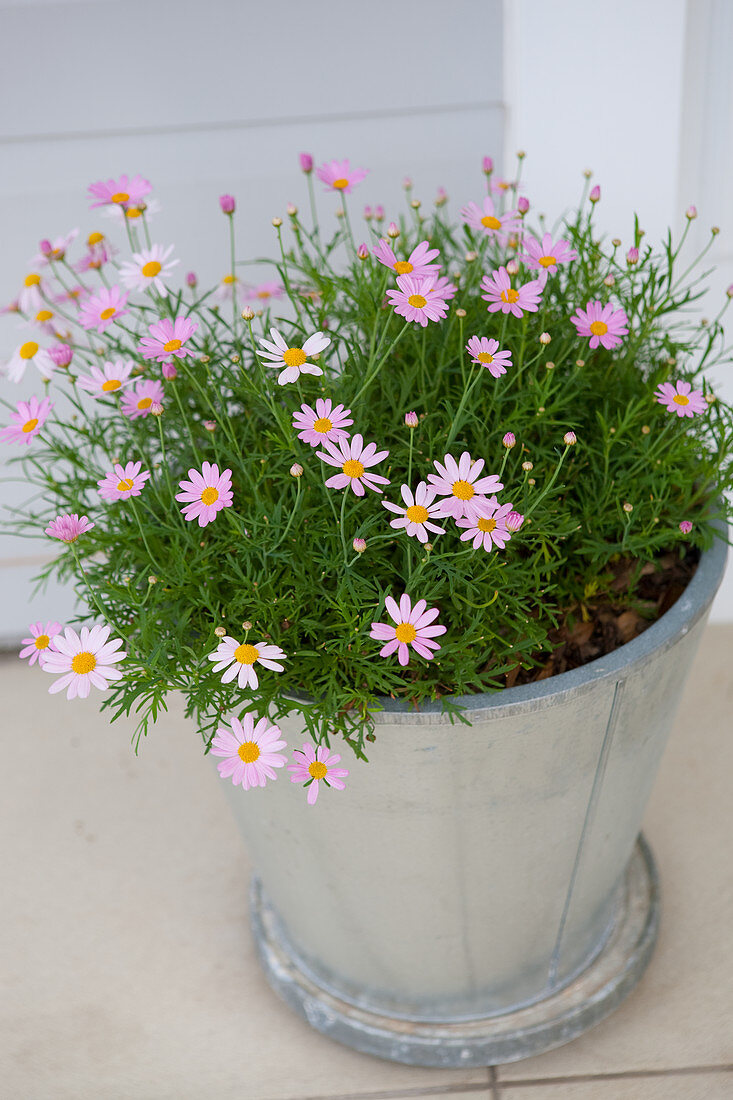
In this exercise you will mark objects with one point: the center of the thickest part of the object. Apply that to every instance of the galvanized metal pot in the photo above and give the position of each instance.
(478, 894)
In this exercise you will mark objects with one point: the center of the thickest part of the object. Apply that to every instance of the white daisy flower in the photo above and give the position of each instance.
(148, 268)
(239, 660)
(417, 510)
(29, 352)
(293, 359)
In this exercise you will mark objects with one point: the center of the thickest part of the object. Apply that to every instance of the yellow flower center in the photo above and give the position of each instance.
(83, 662)
(111, 384)
(248, 752)
(599, 328)
(210, 495)
(340, 184)
(402, 267)
(150, 269)
(547, 261)
(318, 769)
(353, 468)
(486, 524)
(30, 425)
(228, 279)
(133, 212)
(464, 490)
(502, 185)
(145, 403)
(417, 301)
(485, 357)
(32, 280)
(44, 315)
(28, 350)
(263, 294)
(679, 399)
(322, 424)
(246, 654)
(42, 641)
(120, 196)
(95, 238)
(107, 313)
(405, 632)
(294, 357)
(510, 295)
(417, 513)
(172, 345)
(490, 222)
(125, 485)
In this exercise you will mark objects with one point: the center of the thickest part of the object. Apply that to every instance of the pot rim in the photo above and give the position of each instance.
(692, 605)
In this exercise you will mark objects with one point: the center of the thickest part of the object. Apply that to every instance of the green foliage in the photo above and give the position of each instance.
(281, 558)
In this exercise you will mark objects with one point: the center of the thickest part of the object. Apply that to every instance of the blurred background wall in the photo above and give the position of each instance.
(222, 96)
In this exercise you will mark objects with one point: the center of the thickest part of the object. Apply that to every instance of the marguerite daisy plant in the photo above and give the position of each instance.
(397, 464)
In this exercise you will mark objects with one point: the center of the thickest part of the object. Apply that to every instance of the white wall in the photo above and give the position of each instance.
(222, 96)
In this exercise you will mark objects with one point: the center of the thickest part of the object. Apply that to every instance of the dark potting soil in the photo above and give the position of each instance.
(635, 598)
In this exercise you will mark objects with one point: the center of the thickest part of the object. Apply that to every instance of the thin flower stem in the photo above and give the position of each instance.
(133, 504)
(233, 271)
(382, 361)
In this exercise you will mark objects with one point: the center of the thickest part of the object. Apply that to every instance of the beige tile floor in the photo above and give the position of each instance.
(127, 972)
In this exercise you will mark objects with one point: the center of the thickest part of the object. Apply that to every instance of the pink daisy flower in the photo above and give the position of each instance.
(293, 360)
(484, 351)
(500, 186)
(353, 458)
(263, 292)
(49, 323)
(206, 493)
(487, 524)
(125, 189)
(328, 421)
(249, 751)
(313, 764)
(486, 219)
(443, 287)
(138, 402)
(417, 510)
(85, 660)
(412, 629)
(111, 376)
(545, 255)
(29, 419)
(54, 250)
(338, 175)
(460, 484)
(604, 324)
(148, 268)
(415, 300)
(30, 352)
(239, 660)
(227, 289)
(502, 296)
(37, 646)
(68, 527)
(418, 264)
(99, 252)
(680, 398)
(168, 338)
(101, 309)
(130, 212)
(123, 482)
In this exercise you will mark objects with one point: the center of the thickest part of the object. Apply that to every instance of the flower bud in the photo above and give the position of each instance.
(156, 409)
(227, 204)
(416, 204)
(729, 291)
(549, 365)
(609, 281)
(277, 222)
(521, 154)
(61, 354)
(191, 279)
(487, 166)
(570, 439)
(368, 213)
(248, 314)
(587, 172)
(580, 362)
(340, 212)
(632, 256)
(379, 213)
(691, 213)
(296, 470)
(685, 526)
(509, 440)
(527, 466)
(220, 631)
(442, 197)
(616, 242)
(363, 251)
(411, 419)
(512, 267)
(595, 194)
(645, 429)
(210, 425)
(545, 338)
(359, 545)
(393, 231)
(292, 210)
(306, 163)
(45, 247)
(460, 312)
(471, 256)
(514, 521)
(152, 579)
(407, 183)
(627, 506)
(169, 370)
(715, 229)
(246, 625)
(522, 204)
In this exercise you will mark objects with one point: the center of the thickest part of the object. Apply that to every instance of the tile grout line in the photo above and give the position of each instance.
(620, 1075)
(426, 1091)
(494, 1083)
